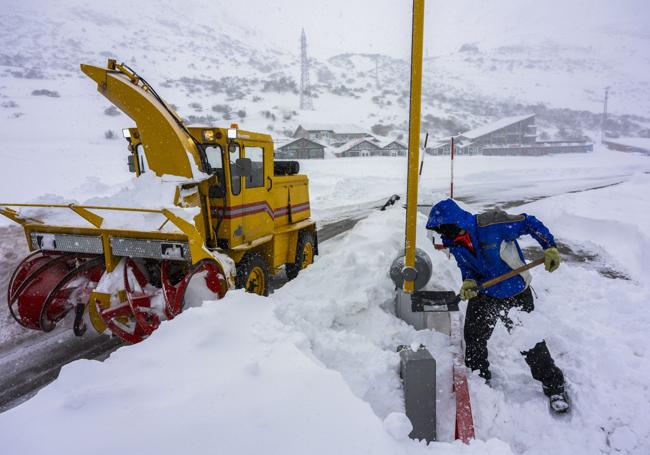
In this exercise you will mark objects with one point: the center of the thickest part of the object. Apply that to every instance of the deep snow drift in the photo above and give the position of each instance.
(248, 374)
(595, 326)
(339, 188)
(313, 368)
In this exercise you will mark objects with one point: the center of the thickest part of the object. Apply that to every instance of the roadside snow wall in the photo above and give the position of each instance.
(311, 369)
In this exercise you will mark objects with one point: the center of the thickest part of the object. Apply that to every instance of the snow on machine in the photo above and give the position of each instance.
(127, 269)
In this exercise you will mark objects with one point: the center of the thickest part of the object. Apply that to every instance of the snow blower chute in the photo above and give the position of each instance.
(236, 217)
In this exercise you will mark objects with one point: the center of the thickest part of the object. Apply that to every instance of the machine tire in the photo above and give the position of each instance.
(305, 251)
(250, 271)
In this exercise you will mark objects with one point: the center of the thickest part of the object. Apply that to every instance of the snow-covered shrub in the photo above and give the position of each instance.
(111, 111)
(282, 84)
(223, 108)
(381, 129)
(45, 92)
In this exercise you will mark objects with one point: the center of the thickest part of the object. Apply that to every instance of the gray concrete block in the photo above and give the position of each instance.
(418, 372)
(420, 320)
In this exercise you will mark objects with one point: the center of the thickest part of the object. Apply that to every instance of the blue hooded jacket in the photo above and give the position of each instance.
(488, 231)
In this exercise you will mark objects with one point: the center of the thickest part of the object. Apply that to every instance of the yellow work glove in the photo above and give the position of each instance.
(468, 290)
(551, 259)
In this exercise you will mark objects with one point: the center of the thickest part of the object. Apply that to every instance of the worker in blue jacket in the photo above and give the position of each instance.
(485, 247)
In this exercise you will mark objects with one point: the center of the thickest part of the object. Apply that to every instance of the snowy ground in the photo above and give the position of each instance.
(313, 368)
(338, 187)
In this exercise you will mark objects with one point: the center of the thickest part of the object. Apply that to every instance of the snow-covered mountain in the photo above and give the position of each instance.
(217, 64)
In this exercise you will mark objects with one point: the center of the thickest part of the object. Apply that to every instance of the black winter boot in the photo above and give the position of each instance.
(543, 369)
(559, 402)
(485, 374)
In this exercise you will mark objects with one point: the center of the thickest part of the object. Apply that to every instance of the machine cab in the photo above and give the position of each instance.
(240, 166)
(242, 162)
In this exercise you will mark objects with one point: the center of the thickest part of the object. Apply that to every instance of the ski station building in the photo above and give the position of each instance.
(336, 134)
(507, 136)
(370, 147)
(301, 149)
(394, 148)
(628, 144)
(358, 147)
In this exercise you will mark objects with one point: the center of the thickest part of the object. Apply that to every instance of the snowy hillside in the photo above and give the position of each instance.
(217, 67)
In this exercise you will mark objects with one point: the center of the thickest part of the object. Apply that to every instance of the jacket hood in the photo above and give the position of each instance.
(448, 212)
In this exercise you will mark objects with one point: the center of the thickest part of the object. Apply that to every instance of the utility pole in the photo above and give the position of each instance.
(306, 102)
(603, 121)
(377, 70)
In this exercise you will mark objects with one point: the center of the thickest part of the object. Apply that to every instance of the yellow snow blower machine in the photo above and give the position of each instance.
(128, 269)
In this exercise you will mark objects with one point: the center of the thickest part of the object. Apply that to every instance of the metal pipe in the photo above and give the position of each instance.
(417, 44)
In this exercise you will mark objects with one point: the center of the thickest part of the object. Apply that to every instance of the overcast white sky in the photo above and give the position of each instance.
(335, 26)
(383, 26)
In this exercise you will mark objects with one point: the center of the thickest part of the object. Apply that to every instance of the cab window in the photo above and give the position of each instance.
(214, 154)
(142, 159)
(233, 154)
(256, 155)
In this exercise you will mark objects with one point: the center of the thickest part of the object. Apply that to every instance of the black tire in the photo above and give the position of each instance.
(304, 238)
(253, 268)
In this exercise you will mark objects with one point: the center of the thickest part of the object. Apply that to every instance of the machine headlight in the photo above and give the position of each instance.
(208, 135)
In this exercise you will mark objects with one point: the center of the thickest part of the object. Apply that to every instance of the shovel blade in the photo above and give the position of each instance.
(425, 301)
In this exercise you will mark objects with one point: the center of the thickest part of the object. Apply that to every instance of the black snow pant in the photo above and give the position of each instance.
(482, 314)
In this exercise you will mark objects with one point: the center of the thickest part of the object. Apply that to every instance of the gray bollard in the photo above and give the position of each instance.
(418, 372)
(423, 269)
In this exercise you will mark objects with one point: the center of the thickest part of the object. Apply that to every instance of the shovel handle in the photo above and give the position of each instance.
(511, 273)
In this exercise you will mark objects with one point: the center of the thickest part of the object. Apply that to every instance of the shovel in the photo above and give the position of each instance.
(427, 301)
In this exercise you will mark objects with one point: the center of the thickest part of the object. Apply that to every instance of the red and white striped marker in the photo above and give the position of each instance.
(451, 188)
(464, 419)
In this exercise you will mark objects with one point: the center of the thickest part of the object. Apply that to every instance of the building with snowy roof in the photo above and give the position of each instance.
(394, 148)
(330, 132)
(507, 136)
(628, 144)
(358, 147)
(301, 149)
